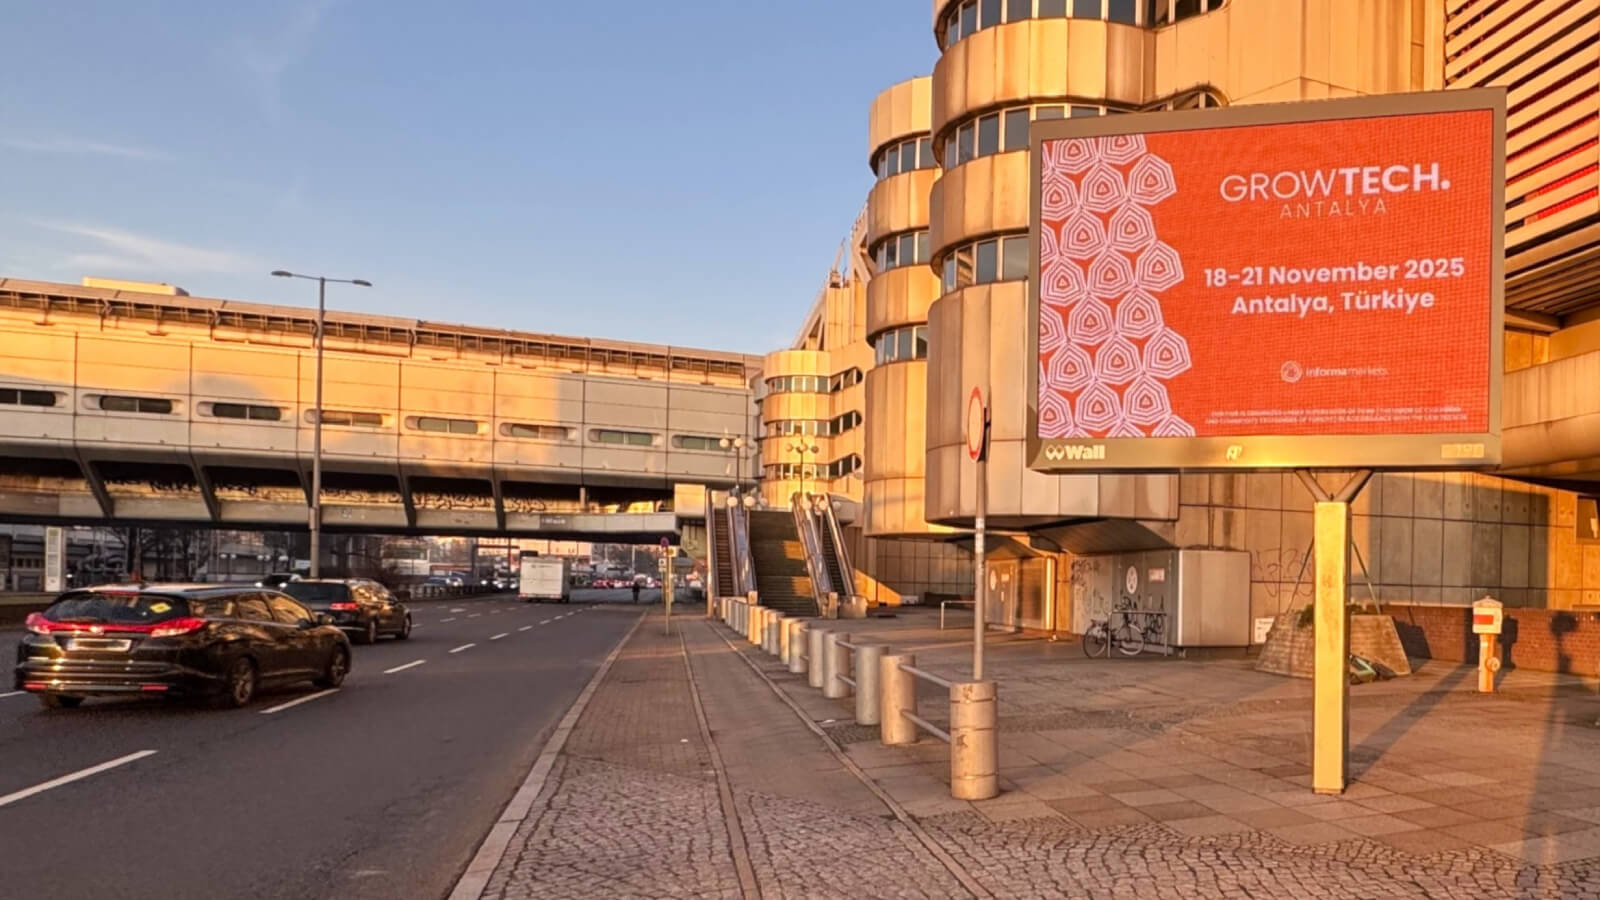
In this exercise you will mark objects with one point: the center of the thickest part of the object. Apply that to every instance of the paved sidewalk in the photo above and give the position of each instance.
(1137, 778)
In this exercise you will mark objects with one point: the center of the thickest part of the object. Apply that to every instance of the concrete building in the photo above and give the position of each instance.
(138, 403)
(945, 257)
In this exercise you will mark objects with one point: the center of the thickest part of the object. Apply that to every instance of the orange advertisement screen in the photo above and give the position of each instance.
(1305, 278)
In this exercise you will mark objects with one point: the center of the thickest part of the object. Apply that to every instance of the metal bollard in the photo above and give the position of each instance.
(974, 750)
(797, 646)
(816, 642)
(834, 664)
(786, 638)
(758, 620)
(735, 609)
(868, 701)
(898, 691)
(774, 629)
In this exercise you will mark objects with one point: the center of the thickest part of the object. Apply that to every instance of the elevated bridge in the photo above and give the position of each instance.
(143, 407)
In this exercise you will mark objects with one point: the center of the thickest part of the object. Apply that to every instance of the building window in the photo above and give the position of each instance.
(909, 249)
(247, 411)
(900, 344)
(440, 425)
(848, 378)
(626, 438)
(905, 156)
(20, 397)
(536, 432)
(696, 442)
(1007, 130)
(154, 406)
(798, 384)
(346, 418)
(975, 15)
(983, 262)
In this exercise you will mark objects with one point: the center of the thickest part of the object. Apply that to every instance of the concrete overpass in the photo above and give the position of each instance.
(143, 406)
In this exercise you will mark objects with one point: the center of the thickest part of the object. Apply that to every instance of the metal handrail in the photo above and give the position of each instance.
(810, 543)
(944, 603)
(841, 553)
(927, 726)
(716, 588)
(744, 579)
(925, 675)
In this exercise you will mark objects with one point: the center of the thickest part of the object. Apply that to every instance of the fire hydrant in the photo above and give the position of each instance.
(1488, 615)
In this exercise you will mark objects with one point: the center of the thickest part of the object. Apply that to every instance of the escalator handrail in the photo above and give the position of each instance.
(821, 584)
(744, 579)
(840, 553)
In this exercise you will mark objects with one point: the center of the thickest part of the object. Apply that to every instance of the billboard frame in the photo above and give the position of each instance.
(1275, 452)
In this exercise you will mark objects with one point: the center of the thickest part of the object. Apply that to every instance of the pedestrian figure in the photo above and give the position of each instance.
(636, 592)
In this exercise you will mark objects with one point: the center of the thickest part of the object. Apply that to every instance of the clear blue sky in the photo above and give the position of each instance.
(637, 169)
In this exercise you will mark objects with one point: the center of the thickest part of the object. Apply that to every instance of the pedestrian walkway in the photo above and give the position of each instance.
(700, 769)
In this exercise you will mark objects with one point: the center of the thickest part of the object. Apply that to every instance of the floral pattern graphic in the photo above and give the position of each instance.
(1104, 350)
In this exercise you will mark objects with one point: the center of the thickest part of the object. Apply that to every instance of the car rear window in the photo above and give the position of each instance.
(119, 609)
(313, 593)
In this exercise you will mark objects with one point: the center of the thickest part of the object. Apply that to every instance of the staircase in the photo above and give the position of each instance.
(722, 551)
(843, 582)
(780, 563)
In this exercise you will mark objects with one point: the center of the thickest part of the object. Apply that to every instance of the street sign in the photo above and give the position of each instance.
(977, 426)
(665, 543)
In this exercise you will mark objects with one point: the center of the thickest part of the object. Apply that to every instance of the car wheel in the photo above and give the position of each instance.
(239, 688)
(338, 667)
(369, 636)
(405, 630)
(59, 701)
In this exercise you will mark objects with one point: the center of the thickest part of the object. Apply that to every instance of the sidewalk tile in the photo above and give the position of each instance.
(1108, 818)
(1206, 826)
(1436, 816)
(1147, 798)
(1267, 819)
(1377, 824)
(1183, 809)
(1311, 833)
(1393, 803)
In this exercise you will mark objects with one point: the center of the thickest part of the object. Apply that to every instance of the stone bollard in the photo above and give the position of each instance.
(974, 748)
(898, 691)
(816, 644)
(835, 663)
(797, 646)
(868, 671)
(758, 624)
(774, 633)
(739, 609)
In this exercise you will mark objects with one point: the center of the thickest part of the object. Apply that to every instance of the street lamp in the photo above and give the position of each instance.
(316, 423)
(736, 446)
(802, 448)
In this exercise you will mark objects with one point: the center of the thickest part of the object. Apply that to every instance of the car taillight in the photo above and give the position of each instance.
(175, 627)
(344, 607)
(37, 623)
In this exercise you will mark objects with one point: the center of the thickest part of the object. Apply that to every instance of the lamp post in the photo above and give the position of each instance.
(316, 422)
(802, 448)
(736, 446)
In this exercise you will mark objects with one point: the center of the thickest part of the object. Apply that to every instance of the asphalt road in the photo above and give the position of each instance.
(382, 789)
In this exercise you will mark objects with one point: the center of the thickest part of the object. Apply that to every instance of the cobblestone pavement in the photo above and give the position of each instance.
(635, 807)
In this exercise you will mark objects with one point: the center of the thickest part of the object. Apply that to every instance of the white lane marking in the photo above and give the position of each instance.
(75, 776)
(474, 615)
(296, 702)
(545, 622)
(457, 609)
(499, 636)
(463, 647)
(12, 694)
(410, 665)
(451, 619)
(523, 628)
(494, 612)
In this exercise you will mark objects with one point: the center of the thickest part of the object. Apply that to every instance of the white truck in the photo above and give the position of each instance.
(545, 578)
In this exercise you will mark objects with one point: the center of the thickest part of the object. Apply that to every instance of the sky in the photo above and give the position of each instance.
(674, 172)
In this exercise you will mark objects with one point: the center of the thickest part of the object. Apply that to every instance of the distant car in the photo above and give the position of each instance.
(360, 606)
(276, 580)
(175, 640)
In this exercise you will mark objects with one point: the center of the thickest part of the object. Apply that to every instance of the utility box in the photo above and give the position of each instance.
(1488, 616)
(1213, 602)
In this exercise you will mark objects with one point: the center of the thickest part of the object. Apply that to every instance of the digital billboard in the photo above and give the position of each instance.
(1290, 285)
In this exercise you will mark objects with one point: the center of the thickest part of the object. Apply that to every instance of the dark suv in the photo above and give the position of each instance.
(169, 640)
(360, 606)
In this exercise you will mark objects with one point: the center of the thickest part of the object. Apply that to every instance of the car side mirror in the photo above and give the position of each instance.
(319, 619)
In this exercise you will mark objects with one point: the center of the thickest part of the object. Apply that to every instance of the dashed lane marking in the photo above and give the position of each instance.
(74, 776)
(451, 619)
(523, 628)
(297, 701)
(499, 636)
(463, 647)
(410, 665)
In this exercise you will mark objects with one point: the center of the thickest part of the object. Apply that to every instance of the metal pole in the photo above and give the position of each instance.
(980, 589)
(316, 439)
(1330, 721)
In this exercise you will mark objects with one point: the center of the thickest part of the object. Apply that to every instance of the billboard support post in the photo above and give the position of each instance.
(1330, 716)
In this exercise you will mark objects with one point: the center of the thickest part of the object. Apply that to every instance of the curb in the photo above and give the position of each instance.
(475, 879)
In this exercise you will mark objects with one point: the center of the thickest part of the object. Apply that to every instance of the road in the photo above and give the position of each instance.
(382, 789)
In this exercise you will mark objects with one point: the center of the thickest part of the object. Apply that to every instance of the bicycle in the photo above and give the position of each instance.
(1101, 637)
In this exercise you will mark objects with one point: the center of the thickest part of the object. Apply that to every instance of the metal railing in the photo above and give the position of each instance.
(830, 521)
(944, 603)
(884, 690)
(716, 587)
(811, 544)
(744, 577)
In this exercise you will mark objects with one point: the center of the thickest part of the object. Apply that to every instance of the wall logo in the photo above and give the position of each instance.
(1059, 452)
(1234, 452)
(1292, 372)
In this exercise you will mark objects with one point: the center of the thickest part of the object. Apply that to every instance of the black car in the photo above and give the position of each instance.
(360, 606)
(176, 640)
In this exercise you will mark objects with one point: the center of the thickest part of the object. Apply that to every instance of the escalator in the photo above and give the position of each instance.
(843, 582)
(722, 583)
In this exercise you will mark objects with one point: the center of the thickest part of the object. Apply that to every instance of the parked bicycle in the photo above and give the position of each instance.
(1126, 636)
